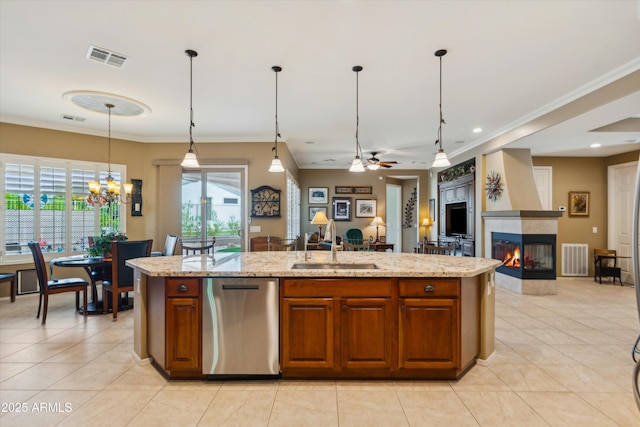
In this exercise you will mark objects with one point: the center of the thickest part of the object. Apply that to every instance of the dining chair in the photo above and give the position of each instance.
(278, 244)
(197, 248)
(169, 246)
(121, 274)
(605, 264)
(55, 286)
(364, 246)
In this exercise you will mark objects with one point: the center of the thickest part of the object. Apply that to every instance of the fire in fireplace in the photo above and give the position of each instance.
(525, 256)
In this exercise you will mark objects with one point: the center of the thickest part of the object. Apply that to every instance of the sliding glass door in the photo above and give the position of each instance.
(213, 206)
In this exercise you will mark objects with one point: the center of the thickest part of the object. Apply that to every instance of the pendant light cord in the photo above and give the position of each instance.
(439, 141)
(109, 107)
(357, 69)
(275, 148)
(191, 123)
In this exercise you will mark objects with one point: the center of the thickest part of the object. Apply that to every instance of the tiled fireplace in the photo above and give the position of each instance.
(525, 242)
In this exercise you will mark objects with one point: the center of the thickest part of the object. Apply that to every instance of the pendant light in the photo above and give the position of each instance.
(356, 165)
(190, 159)
(111, 194)
(441, 159)
(276, 164)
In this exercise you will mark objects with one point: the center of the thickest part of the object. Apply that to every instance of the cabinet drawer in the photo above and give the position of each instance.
(337, 287)
(430, 288)
(181, 287)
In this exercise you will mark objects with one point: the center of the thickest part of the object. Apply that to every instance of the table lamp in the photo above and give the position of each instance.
(320, 218)
(426, 223)
(377, 221)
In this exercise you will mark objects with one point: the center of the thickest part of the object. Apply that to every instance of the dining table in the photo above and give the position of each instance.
(98, 269)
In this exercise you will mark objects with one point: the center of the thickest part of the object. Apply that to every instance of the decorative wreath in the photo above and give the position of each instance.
(494, 186)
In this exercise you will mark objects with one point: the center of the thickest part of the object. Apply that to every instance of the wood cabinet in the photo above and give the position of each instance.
(379, 328)
(428, 332)
(336, 327)
(174, 325)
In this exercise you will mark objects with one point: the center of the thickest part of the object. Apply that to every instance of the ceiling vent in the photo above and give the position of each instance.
(106, 56)
(72, 118)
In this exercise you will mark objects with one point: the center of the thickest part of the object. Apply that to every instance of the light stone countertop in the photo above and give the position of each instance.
(279, 264)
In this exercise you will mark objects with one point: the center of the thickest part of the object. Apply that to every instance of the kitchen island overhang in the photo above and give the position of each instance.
(403, 271)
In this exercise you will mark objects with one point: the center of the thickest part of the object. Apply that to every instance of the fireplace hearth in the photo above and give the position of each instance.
(525, 256)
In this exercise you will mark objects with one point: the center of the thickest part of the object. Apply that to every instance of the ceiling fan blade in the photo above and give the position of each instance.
(384, 165)
(390, 162)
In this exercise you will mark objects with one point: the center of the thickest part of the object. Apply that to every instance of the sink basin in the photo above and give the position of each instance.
(333, 266)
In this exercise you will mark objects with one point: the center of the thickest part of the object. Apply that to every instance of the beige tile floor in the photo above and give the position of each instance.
(561, 360)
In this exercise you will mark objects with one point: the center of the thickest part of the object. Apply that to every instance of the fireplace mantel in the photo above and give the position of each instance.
(521, 214)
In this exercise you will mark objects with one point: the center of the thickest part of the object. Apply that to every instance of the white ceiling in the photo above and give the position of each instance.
(508, 62)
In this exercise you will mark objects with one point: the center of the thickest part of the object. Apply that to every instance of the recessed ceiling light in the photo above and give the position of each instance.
(477, 130)
(309, 142)
(459, 142)
(595, 145)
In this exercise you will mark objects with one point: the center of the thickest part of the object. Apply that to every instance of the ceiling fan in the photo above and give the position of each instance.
(374, 163)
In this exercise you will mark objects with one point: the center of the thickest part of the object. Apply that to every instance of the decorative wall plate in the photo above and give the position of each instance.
(265, 202)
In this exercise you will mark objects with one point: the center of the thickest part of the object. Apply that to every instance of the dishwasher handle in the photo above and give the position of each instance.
(240, 287)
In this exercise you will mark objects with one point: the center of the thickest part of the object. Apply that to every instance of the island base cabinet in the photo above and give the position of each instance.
(174, 326)
(366, 333)
(307, 333)
(428, 333)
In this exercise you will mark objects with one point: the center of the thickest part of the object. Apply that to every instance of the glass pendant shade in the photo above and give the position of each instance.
(441, 160)
(373, 166)
(190, 160)
(356, 165)
(276, 165)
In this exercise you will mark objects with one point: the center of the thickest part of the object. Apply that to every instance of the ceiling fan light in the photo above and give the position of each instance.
(373, 166)
(276, 165)
(441, 160)
(356, 165)
(190, 160)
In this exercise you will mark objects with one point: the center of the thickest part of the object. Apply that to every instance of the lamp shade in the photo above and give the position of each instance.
(320, 218)
(377, 221)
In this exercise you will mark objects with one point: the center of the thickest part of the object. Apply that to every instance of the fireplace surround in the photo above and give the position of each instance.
(540, 259)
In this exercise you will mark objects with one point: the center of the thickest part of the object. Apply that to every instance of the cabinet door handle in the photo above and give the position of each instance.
(183, 288)
(429, 288)
(402, 307)
(344, 308)
(330, 307)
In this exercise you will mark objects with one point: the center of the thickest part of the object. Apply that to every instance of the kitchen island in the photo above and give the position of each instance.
(368, 315)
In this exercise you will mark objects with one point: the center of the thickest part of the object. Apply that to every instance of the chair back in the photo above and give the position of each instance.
(282, 244)
(354, 236)
(197, 248)
(41, 270)
(121, 274)
(605, 262)
(356, 247)
(170, 245)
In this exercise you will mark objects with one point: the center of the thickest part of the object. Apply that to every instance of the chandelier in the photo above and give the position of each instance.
(99, 196)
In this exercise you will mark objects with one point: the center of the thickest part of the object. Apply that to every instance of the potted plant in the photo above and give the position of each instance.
(102, 243)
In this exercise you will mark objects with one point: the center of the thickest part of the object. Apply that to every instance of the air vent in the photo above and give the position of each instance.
(72, 118)
(106, 56)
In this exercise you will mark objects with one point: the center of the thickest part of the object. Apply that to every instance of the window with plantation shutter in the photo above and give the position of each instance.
(45, 200)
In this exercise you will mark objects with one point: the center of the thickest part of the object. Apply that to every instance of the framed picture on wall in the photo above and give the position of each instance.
(578, 203)
(342, 208)
(318, 195)
(365, 208)
(313, 210)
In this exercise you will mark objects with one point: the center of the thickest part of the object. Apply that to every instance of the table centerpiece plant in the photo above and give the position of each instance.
(102, 243)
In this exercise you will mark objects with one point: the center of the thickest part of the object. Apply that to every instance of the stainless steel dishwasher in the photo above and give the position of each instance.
(240, 327)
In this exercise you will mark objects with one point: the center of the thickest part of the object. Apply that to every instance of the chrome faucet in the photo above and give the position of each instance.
(331, 225)
(306, 245)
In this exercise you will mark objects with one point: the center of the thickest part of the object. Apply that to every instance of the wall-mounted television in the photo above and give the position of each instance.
(456, 223)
